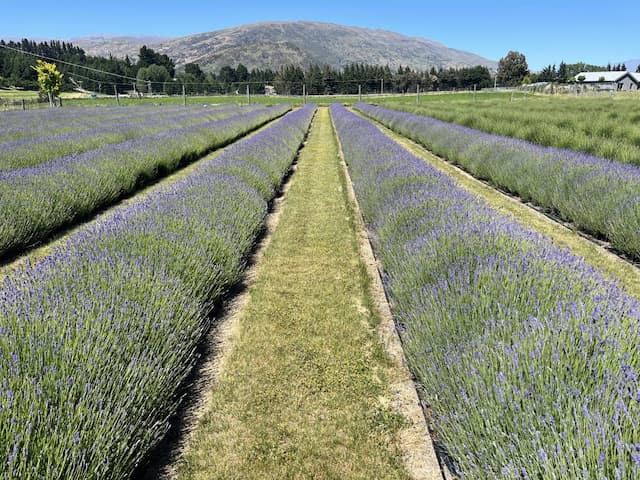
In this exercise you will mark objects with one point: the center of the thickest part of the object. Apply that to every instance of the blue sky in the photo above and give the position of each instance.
(546, 31)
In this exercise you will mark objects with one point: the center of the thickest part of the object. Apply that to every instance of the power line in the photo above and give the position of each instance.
(153, 82)
(19, 50)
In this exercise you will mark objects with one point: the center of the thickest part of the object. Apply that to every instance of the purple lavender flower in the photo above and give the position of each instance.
(532, 351)
(107, 324)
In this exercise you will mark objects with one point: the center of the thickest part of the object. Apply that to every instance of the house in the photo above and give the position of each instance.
(620, 81)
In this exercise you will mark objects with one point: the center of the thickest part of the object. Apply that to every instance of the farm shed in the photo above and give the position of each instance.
(620, 81)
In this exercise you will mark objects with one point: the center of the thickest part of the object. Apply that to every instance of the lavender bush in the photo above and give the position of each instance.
(527, 356)
(597, 195)
(96, 338)
(38, 200)
(61, 139)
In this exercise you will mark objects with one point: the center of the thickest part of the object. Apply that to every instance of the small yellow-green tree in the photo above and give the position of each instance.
(49, 79)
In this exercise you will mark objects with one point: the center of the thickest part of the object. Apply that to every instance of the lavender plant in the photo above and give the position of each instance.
(527, 356)
(595, 126)
(38, 200)
(96, 338)
(597, 195)
(134, 123)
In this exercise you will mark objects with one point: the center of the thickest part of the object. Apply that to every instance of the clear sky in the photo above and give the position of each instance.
(546, 31)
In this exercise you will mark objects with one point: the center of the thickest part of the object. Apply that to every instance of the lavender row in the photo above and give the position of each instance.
(16, 125)
(527, 356)
(97, 337)
(599, 196)
(39, 200)
(51, 144)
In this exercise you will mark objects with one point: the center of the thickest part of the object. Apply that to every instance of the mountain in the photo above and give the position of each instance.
(272, 44)
(118, 46)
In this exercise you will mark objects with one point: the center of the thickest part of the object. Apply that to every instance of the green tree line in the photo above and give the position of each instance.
(156, 73)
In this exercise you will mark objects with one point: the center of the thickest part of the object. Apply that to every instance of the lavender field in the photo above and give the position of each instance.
(97, 337)
(599, 196)
(526, 356)
(39, 200)
(33, 139)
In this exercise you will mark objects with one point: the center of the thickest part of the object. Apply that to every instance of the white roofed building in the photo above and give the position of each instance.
(620, 81)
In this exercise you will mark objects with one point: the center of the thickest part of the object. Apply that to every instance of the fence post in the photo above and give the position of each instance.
(417, 94)
(115, 89)
(359, 93)
(24, 104)
(184, 96)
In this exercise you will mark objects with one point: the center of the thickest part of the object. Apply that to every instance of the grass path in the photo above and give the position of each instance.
(595, 255)
(303, 391)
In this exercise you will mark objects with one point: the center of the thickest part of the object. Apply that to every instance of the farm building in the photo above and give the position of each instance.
(620, 81)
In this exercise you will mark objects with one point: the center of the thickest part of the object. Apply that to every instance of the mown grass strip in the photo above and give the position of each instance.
(302, 392)
(599, 257)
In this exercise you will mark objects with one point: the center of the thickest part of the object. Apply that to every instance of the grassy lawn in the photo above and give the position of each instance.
(595, 255)
(303, 391)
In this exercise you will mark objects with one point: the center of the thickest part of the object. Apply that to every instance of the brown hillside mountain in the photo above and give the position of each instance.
(272, 44)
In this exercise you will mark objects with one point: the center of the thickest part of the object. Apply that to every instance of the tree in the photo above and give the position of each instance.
(195, 70)
(562, 72)
(49, 79)
(638, 69)
(153, 74)
(148, 57)
(512, 69)
(548, 74)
